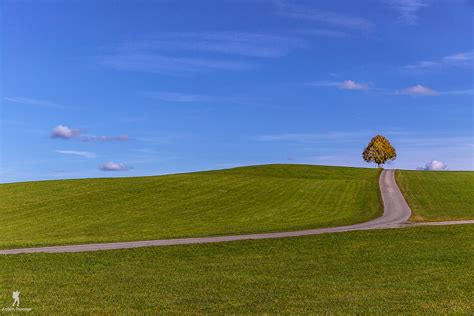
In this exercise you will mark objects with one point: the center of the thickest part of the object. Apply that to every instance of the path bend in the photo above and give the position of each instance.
(396, 215)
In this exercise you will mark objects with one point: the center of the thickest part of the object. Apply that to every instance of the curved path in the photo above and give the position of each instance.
(396, 215)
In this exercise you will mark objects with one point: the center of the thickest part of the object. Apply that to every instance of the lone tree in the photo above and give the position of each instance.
(379, 151)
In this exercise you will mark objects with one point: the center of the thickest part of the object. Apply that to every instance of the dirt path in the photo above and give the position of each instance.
(396, 215)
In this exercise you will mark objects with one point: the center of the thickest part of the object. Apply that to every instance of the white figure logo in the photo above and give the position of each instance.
(16, 298)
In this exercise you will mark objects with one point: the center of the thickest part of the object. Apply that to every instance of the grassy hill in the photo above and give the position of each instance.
(240, 200)
(438, 196)
(423, 271)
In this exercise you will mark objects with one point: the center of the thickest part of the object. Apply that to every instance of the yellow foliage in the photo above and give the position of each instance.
(379, 151)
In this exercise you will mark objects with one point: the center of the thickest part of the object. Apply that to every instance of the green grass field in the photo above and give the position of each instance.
(241, 200)
(423, 270)
(438, 196)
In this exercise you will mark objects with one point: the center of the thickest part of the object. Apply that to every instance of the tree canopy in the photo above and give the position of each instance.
(379, 150)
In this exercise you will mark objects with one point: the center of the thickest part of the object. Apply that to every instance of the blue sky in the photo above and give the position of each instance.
(109, 88)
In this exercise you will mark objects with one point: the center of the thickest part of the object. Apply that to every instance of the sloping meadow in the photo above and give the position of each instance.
(263, 198)
(438, 195)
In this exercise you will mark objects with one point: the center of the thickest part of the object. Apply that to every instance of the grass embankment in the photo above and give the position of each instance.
(438, 196)
(234, 201)
(423, 270)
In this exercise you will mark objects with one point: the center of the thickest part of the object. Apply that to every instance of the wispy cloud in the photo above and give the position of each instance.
(462, 59)
(35, 102)
(146, 151)
(152, 138)
(224, 43)
(416, 140)
(328, 18)
(418, 90)
(311, 137)
(407, 9)
(85, 154)
(343, 85)
(321, 32)
(459, 92)
(157, 63)
(114, 166)
(170, 53)
(180, 97)
(105, 139)
(409, 139)
(65, 132)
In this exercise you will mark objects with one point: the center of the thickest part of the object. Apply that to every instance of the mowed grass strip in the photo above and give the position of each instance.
(438, 195)
(242, 200)
(422, 270)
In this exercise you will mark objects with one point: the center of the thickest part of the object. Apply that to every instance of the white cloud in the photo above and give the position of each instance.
(418, 90)
(85, 154)
(114, 166)
(435, 165)
(64, 132)
(407, 9)
(352, 85)
(34, 102)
